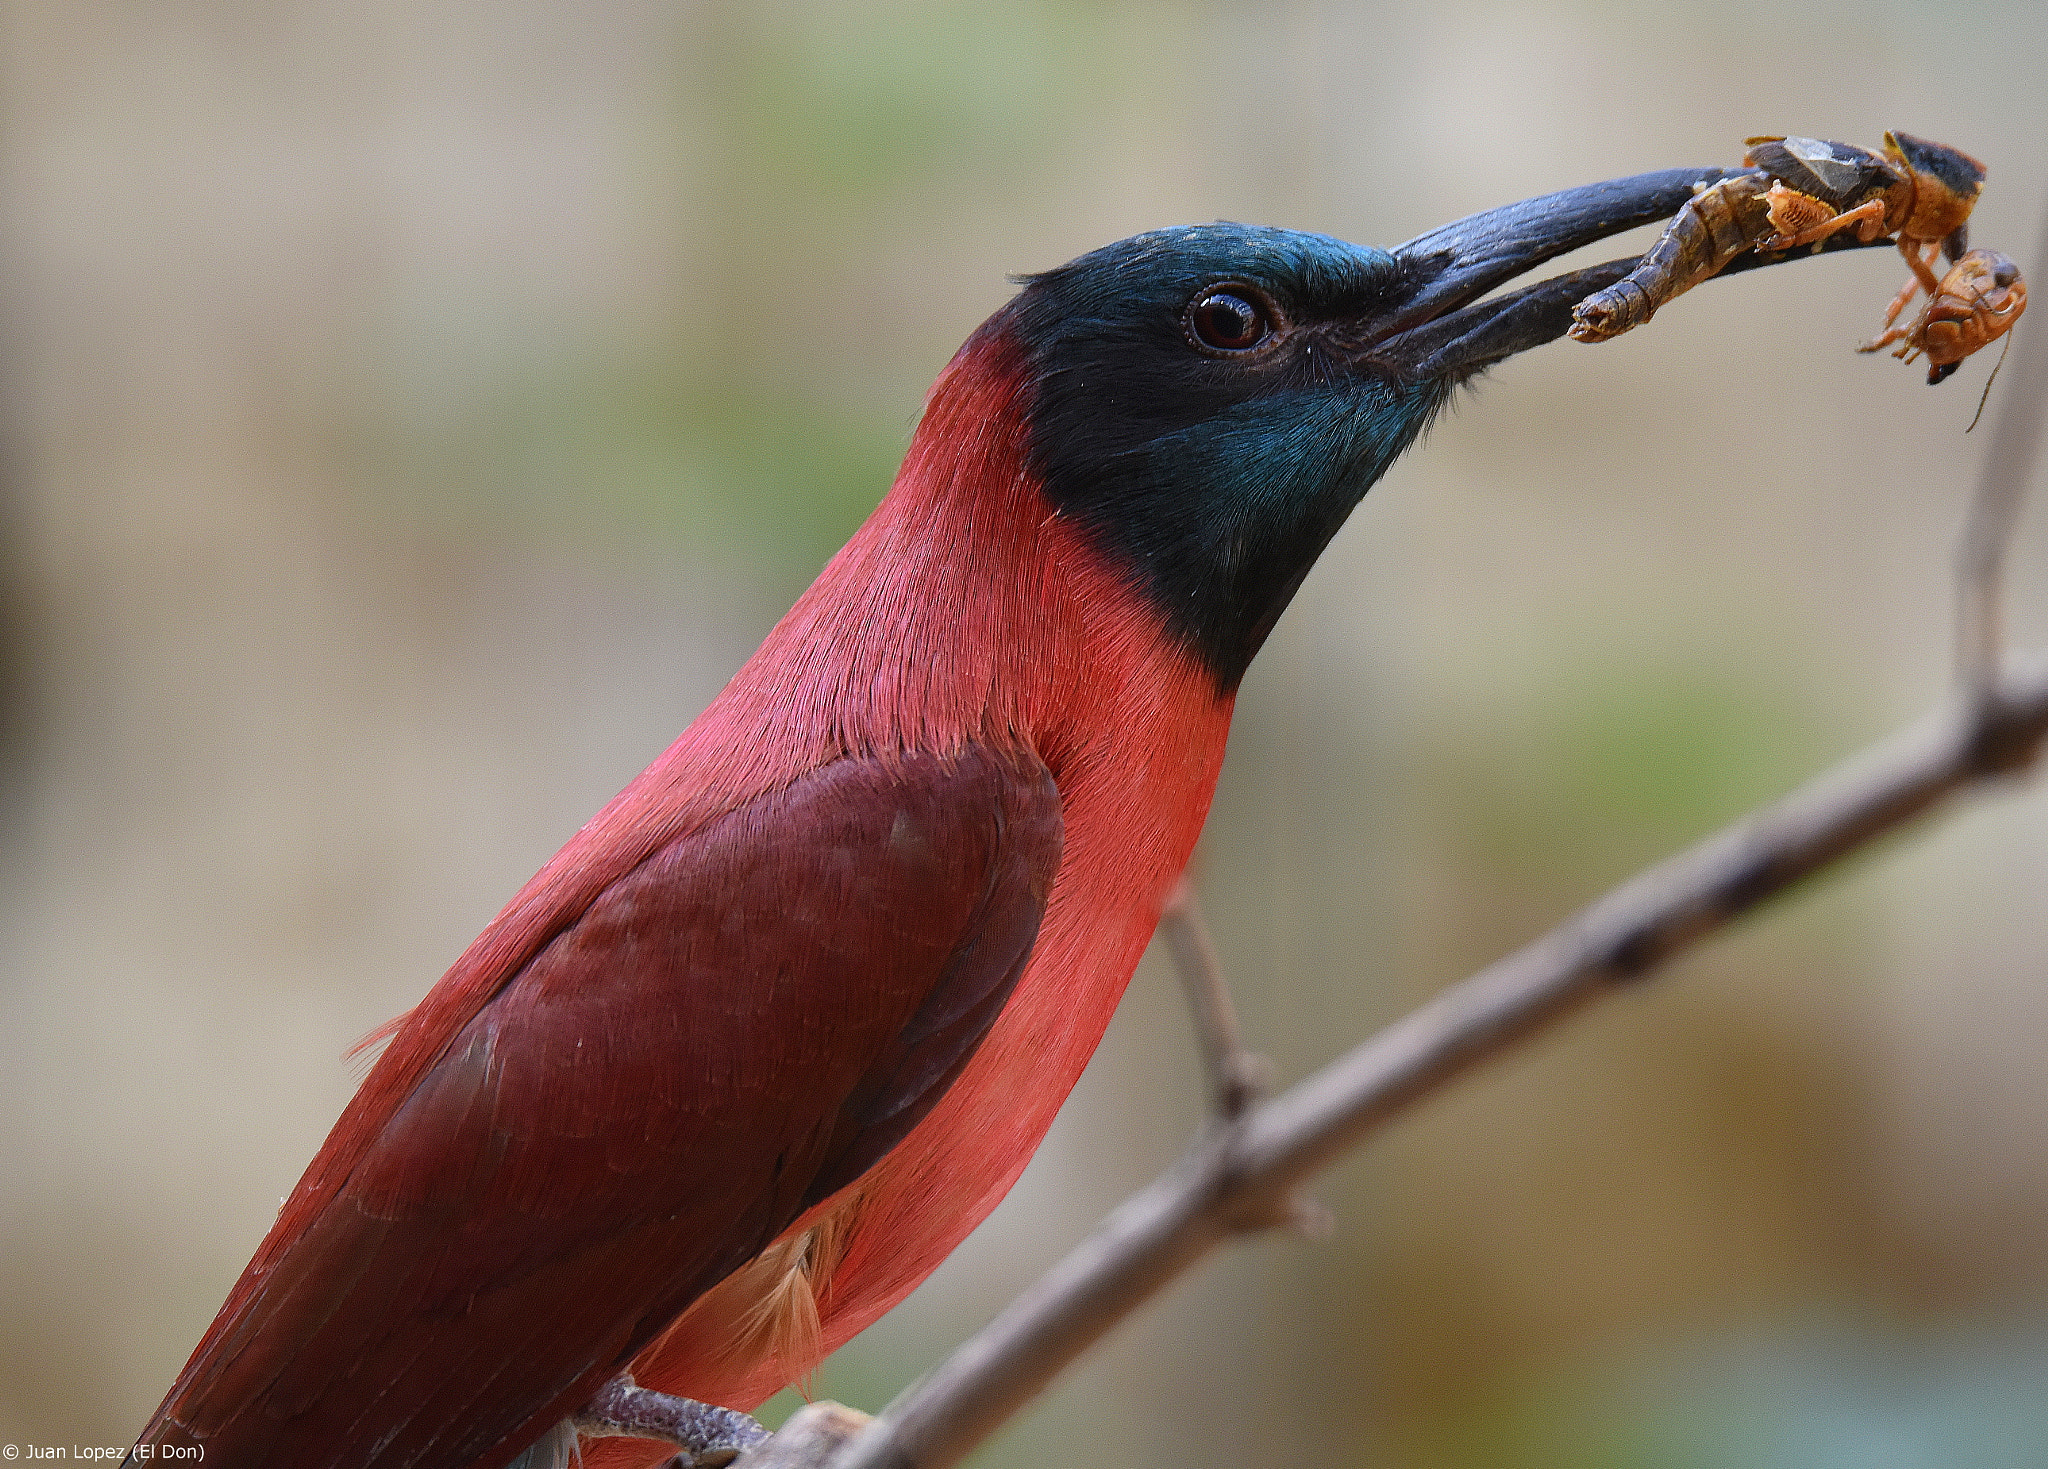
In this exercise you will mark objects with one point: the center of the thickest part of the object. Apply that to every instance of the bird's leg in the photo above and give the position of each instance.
(708, 1436)
(1237, 1075)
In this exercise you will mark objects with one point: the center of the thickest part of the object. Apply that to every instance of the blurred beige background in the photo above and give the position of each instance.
(412, 412)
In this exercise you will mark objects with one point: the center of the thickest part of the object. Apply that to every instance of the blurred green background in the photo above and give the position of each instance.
(413, 410)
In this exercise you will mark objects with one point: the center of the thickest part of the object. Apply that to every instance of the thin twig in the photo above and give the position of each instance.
(807, 1441)
(1238, 1177)
(1236, 1076)
(1229, 1181)
(1994, 510)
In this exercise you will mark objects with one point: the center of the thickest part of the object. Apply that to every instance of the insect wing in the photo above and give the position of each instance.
(1841, 175)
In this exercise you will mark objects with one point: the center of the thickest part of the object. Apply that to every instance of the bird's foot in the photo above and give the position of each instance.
(710, 1437)
(812, 1437)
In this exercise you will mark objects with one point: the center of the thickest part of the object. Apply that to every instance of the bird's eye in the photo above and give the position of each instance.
(1228, 319)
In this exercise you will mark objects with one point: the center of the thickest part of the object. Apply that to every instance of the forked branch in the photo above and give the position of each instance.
(1238, 1176)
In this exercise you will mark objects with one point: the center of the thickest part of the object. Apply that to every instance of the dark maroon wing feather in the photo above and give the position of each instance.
(730, 1032)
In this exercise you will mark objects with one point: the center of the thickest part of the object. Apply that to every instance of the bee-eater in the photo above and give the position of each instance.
(755, 1050)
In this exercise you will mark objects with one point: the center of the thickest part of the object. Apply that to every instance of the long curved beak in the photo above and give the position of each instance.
(1444, 331)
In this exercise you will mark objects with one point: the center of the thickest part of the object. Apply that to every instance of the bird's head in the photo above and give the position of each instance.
(1210, 403)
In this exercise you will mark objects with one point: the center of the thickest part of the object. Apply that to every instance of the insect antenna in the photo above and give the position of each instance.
(1993, 378)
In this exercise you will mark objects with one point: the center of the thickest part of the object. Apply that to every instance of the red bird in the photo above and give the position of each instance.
(773, 1032)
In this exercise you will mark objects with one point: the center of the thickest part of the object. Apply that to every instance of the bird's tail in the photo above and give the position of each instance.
(555, 1449)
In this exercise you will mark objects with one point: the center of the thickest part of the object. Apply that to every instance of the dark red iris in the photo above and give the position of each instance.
(1228, 320)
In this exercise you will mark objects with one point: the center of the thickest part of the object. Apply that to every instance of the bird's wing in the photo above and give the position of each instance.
(731, 1031)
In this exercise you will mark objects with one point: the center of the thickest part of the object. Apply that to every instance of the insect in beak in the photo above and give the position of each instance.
(1442, 329)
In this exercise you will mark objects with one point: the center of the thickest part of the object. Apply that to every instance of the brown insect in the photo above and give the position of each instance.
(1803, 191)
(1972, 306)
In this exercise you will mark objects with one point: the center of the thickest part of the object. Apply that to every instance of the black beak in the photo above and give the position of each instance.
(1438, 333)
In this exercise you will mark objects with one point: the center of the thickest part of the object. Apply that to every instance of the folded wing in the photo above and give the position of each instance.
(730, 1032)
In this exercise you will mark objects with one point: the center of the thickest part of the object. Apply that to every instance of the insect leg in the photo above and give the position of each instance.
(1887, 333)
(1868, 217)
(1922, 261)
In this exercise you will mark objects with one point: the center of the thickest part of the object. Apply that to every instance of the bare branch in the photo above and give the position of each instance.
(807, 1441)
(1234, 1179)
(1236, 1076)
(1238, 1177)
(1994, 510)
(1242, 1175)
